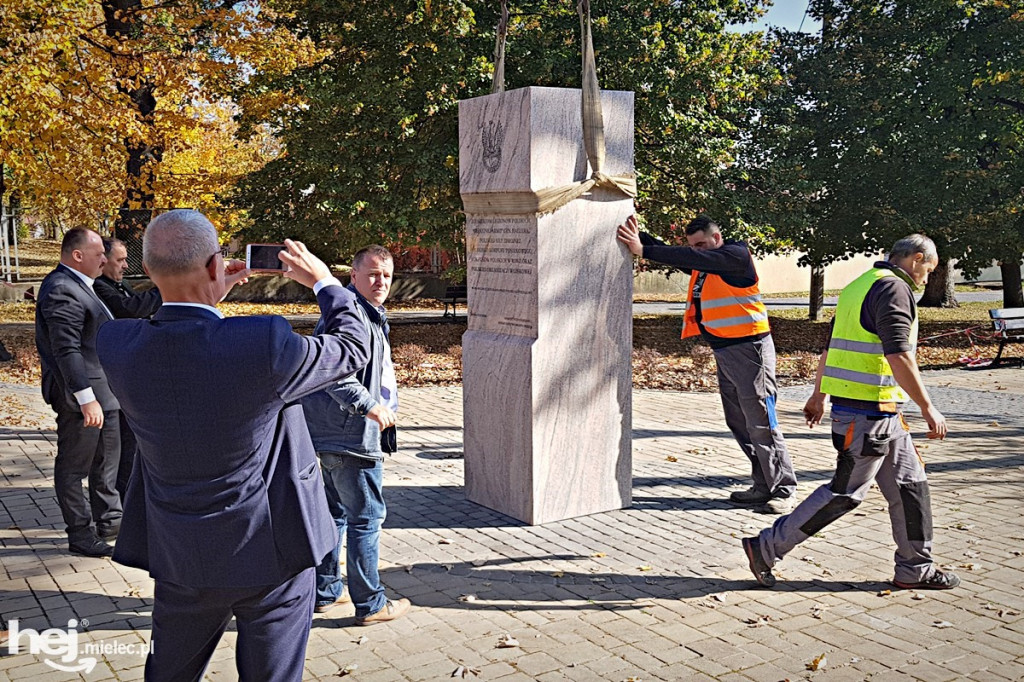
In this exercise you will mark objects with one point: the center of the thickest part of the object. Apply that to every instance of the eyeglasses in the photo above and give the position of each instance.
(223, 254)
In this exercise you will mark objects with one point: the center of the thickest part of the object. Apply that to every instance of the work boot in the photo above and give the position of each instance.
(750, 496)
(776, 505)
(940, 580)
(758, 566)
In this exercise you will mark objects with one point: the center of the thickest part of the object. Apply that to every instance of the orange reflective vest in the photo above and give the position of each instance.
(725, 311)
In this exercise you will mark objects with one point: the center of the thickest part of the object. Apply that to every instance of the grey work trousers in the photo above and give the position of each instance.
(746, 381)
(877, 449)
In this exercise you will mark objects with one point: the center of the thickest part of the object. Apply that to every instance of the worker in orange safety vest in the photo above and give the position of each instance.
(724, 307)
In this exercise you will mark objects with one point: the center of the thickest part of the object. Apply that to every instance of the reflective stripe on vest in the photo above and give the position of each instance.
(856, 366)
(726, 311)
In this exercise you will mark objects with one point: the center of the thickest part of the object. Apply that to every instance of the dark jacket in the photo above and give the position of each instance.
(124, 301)
(337, 416)
(226, 489)
(68, 316)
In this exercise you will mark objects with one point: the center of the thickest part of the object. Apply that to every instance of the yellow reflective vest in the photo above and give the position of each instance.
(856, 367)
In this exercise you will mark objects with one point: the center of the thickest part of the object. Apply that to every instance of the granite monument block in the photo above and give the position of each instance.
(547, 354)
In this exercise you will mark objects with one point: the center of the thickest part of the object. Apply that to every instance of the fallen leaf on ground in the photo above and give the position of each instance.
(465, 671)
(507, 641)
(885, 593)
(557, 574)
(645, 568)
(818, 663)
(598, 555)
(446, 541)
(670, 458)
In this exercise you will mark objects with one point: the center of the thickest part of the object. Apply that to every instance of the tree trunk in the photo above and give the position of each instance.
(122, 21)
(940, 293)
(13, 216)
(816, 304)
(1013, 295)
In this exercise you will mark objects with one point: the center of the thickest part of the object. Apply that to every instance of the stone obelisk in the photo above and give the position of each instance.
(547, 380)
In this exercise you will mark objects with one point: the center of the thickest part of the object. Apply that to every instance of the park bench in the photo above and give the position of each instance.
(453, 295)
(1009, 325)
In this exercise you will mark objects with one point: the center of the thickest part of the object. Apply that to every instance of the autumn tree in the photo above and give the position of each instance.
(901, 117)
(372, 152)
(102, 103)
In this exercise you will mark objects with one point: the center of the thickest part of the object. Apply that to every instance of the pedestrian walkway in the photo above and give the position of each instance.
(659, 591)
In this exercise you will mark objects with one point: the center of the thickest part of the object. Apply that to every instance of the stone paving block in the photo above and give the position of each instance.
(681, 526)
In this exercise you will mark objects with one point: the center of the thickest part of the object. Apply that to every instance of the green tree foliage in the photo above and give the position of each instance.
(902, 117)
(372, 147)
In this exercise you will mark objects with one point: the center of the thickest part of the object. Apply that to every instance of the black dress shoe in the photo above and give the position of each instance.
(94, 547)
(108, 532)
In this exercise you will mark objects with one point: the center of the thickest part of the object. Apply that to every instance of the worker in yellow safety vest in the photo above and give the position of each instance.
(724, 307)
(870, 369)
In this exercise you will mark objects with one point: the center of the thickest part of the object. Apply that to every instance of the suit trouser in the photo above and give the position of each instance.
(86, 453)
(871, 449)
(273, 629)
(746, 382)
(129, 447)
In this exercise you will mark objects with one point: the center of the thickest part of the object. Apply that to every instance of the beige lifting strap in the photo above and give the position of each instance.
(551, 199)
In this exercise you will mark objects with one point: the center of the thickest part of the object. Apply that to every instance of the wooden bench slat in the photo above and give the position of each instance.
(1009, 323)
(1006, 313)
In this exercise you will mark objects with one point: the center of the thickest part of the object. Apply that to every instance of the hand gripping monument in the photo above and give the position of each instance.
(546, 358)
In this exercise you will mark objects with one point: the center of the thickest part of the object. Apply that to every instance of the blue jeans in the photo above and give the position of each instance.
(355, 496)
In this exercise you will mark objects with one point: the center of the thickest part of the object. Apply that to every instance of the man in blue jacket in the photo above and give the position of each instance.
(352, 425)
(225, 507)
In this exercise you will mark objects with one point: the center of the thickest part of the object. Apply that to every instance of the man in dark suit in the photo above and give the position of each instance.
(225, 507)
(123, 301)
(68, 315)
(117, 294)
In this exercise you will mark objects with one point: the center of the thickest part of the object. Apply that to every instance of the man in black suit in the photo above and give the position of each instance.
(118, 295)
(68, 315)
(124, 302)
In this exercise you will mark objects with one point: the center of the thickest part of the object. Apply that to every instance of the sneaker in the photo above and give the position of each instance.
(940, 580)
(776, 505)
(750, 496)
(343, 598)
(392, 609)
(758, 566)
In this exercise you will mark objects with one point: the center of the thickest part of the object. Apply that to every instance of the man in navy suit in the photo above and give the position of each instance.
(68, 315)
(123, 301)
(225, 507)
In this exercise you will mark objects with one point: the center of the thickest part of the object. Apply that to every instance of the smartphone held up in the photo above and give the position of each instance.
(264, 258)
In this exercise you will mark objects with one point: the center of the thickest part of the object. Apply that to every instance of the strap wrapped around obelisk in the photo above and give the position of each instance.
(551, 199)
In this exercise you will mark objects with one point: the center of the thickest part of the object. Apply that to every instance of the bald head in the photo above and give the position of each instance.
(178, 242)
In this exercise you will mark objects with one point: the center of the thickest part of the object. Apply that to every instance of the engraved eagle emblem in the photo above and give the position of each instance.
(492, 136)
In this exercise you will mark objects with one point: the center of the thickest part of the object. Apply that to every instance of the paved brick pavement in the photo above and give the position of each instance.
(659, 591)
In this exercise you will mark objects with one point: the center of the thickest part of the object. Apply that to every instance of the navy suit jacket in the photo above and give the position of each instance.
(68, 316)
(226, 489)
